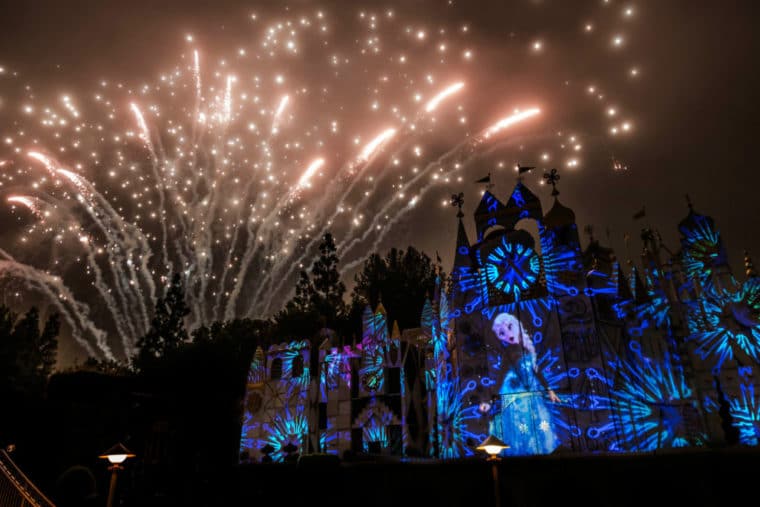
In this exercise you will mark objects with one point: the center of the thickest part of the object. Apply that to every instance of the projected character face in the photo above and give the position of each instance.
(507, 328)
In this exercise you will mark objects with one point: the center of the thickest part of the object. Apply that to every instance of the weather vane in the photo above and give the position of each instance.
(688, 202)
(551, 178)
(458, 200)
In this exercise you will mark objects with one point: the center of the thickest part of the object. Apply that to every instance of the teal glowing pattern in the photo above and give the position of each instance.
(702, 248)
(561, 263)
(286, 428)
(451, 422)
(336, 366)
(512, 267)
(257, 371)
(725, 322)
(374, 421)
(745, 412)
(295, 366)
(328, 439)
(654, 313)
(473, 286)
(652, 406)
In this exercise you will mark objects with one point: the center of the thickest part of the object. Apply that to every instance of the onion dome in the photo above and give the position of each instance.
(559, 216)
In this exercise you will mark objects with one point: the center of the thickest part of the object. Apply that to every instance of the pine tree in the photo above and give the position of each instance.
(167, 331)
(302, 301)
(327, 297)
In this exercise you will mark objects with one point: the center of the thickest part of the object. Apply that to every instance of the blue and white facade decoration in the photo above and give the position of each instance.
(550, 347)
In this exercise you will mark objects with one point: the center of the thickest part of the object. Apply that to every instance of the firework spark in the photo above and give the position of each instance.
(178, 175)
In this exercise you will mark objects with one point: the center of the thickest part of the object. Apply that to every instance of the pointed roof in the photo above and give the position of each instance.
(696, 228)
(559, 216)
(523, 204)
(640, 293)
(462, 254)
(490, 212)
(623, 285)
(395, 332)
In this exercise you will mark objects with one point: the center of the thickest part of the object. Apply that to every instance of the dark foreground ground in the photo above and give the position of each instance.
(688, 478)
(726, 477)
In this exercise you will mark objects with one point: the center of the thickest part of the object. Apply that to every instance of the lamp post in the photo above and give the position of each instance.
(493, 446)
(116, 455)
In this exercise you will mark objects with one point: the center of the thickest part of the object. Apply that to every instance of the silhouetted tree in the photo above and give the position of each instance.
(327, 297)
(318, 300)
(27, 354)
(302, 301)
(167, 331)
(401, 281)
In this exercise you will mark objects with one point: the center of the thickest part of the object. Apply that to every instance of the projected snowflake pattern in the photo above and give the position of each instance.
(724, 322)
(286, 428)
(652, 406)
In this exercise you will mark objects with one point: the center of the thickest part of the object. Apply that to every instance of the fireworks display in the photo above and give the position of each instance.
(230, 166)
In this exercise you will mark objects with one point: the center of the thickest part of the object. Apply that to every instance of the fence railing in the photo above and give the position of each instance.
(16, 490)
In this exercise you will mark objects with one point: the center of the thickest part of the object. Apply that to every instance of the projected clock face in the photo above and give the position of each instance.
(512, 267)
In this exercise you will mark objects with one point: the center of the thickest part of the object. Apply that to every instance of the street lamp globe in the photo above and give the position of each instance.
(117, 454)
(493, 447)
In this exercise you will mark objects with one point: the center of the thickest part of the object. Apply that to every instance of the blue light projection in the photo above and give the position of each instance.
(610, 360)
(561, 262)
(702, 247)
(512, 267)
(336, 367)
(653, 406)
(286, 428)
(451, 415)
(745, 412)
(724, 322)
(374, 421)
(374, 348)
(294, 355)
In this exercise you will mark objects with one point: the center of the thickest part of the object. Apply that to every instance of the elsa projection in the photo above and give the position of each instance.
(522, 419)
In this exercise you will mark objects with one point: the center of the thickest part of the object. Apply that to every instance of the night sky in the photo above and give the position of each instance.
(665, 90)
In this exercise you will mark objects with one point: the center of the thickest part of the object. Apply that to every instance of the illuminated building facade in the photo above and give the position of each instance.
(552, 348)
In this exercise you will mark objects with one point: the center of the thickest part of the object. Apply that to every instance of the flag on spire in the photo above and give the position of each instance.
(523, 169)
(484, 179)
(640, 214)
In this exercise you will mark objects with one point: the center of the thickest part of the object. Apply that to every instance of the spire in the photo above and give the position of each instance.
(458, 200)
(395, 332)
(552, 178)
(623, 287)
(589, 229)
(380, 308)
(688, 203)
(749, 268)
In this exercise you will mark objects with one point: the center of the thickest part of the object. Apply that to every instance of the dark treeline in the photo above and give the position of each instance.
(178, 402)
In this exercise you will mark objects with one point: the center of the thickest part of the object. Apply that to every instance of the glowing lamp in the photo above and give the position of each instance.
(493, 446)
(117, 454)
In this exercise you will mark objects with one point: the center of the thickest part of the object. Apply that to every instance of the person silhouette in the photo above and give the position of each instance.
(76, 487)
